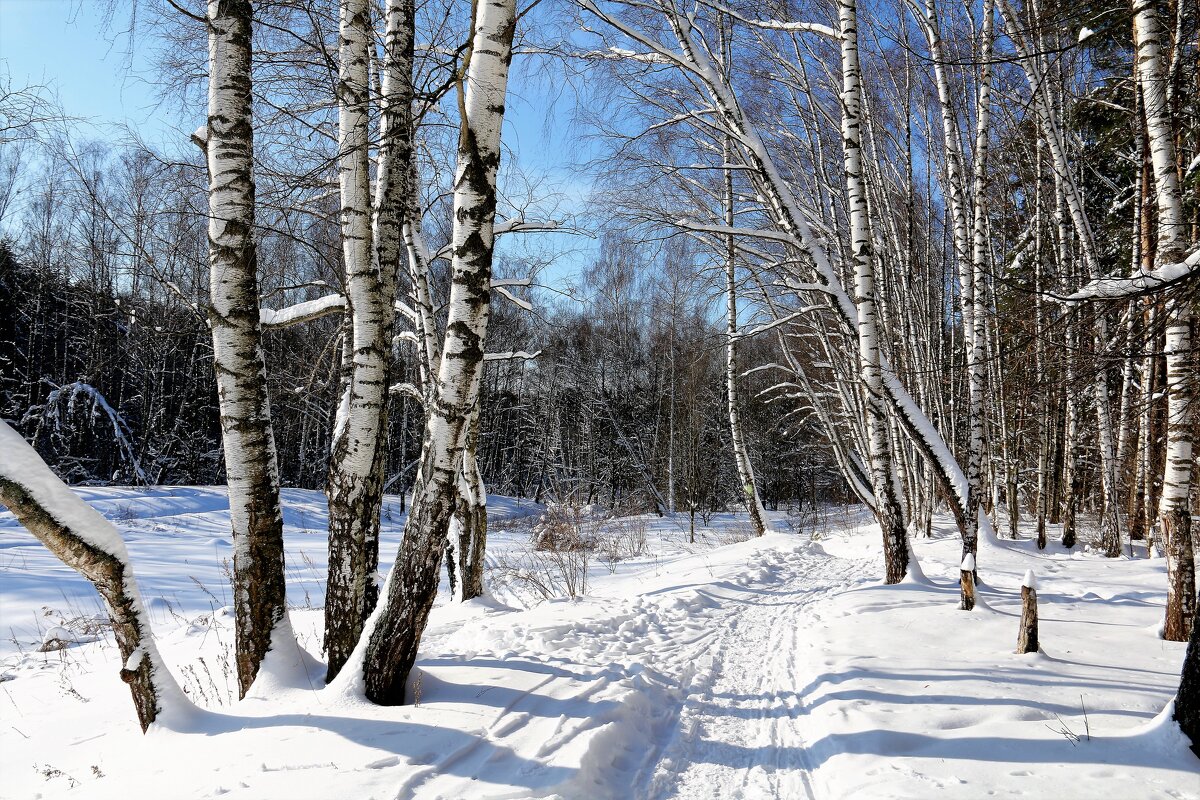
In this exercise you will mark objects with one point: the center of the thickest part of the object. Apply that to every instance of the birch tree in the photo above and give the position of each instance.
(252, 472)
(1174, 509)
(371, 247)
(412, 585)
(888, 509)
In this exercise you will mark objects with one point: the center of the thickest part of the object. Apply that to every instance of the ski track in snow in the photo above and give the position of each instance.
(682, 704)
(744, 737)
(687, 673)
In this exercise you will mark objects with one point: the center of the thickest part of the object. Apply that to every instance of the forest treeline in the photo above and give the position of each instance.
(623, 405)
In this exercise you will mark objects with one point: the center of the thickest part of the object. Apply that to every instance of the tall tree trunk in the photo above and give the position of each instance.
(1070, 479)
(980, 267)
(741, 456)
(371, 237)
(1174, 507)
(888, 509)
(252, 472)
(412, 584)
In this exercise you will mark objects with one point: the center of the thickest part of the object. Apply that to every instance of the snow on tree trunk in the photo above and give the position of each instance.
(89, 544)
(1174, 512)
(252, 472)
(412, 586)
(371, 254)
(888, 508)
(741, 456)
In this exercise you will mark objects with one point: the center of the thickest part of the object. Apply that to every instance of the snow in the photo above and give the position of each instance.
(734, 667)
(1085, 33)
(301, 312)
(968, 563)
(1138, 284)
(1029, 581)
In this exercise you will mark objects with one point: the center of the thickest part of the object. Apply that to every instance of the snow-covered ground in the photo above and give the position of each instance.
(729, 667)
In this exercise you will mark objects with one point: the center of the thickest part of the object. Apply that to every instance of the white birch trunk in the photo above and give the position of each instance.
(251, 469)
(741, 456)
(1174, 506)
(412, 585)
(888, 509)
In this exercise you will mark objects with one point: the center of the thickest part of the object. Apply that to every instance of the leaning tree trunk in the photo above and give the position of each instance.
(89, 544)
(412, 585)
(888, 508)
(741, 456)
(252, 472)
(1174, 512)
(371, 254)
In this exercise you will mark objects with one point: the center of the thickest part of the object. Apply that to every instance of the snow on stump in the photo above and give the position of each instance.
(967, 582)
(1027, 636)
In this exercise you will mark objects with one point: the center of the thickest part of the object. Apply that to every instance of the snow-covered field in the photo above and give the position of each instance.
(732, 667)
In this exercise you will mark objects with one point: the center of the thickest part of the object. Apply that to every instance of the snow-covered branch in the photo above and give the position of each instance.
(511, 354)
(302, 312)
(407, 390)
(512, 298)
(1142, 283)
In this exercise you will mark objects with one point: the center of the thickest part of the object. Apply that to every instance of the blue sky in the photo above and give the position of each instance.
(97, 75)
(63, 45)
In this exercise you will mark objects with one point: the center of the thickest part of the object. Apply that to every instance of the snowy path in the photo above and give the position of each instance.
(744, 737)
(688, 690)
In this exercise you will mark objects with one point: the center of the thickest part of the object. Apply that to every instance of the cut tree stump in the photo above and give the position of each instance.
(1027, 636)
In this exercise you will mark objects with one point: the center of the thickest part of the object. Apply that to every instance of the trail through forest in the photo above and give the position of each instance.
(744, 736)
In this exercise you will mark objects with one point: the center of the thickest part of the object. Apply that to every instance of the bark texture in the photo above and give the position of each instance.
(252, 472)
(1187, 701)
(1027, 637)
(371, 244)
(412, 585)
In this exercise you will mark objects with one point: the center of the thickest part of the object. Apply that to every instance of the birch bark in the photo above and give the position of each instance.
(412, 585)
(1174, 511)
(252, 472)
